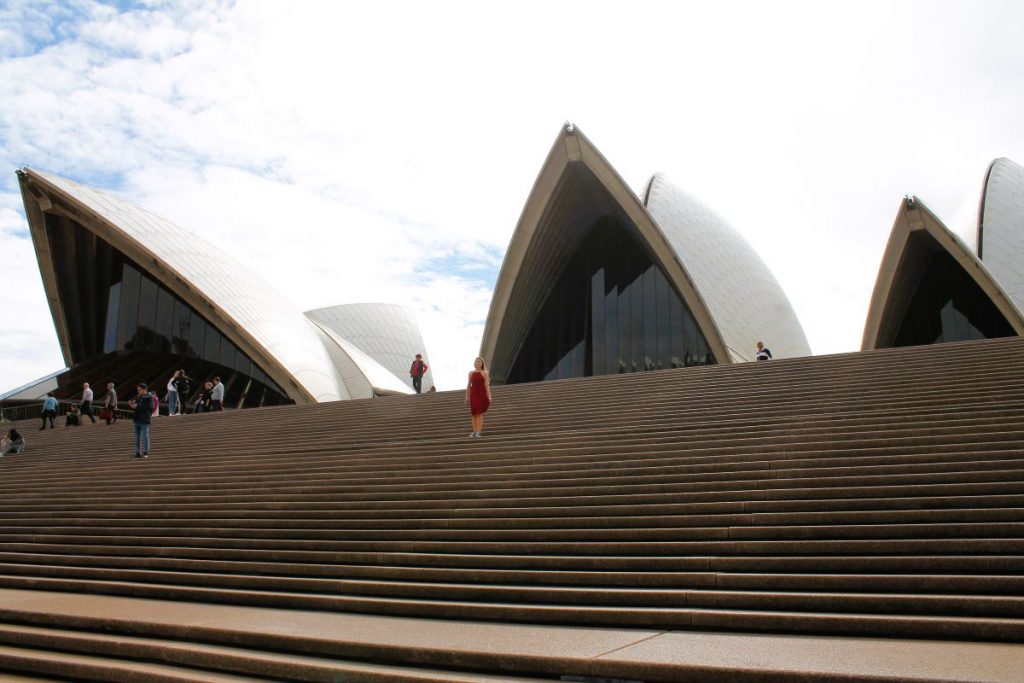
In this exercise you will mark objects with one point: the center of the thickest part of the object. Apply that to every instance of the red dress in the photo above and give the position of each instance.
(478, 401)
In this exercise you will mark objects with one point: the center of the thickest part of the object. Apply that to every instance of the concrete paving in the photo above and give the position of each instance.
(643, 655)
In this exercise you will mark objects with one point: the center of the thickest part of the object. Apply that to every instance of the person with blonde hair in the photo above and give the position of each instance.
(478, 396)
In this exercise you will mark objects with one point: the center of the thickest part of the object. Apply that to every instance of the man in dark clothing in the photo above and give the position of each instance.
(142, 404)
(418, 369)
(184, 386)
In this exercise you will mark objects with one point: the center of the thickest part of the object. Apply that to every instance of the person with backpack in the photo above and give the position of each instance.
(418, 369)
(142, 405)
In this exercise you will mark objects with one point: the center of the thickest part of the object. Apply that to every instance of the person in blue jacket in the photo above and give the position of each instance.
(49, 410)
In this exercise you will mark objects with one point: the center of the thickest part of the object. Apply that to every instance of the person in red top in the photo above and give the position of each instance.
(478, 396)
(418, 369)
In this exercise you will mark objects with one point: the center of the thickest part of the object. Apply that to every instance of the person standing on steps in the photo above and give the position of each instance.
(217, 396)
(184, 386)
(762, 352)
(87, 403)
(418, 369)
(142, 404)
(478, 396)
(49, 410)
(110, 404)
(172, 393)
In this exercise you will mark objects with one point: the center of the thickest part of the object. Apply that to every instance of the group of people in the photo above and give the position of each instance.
(478, 390)
(209, 399)
(145, 404)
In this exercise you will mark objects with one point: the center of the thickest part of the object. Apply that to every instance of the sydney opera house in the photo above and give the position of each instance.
(134, 297)
(597, 279)
(934, 287)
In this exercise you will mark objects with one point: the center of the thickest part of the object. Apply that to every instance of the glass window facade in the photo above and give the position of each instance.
(948, 305)
(612, 310)
(112, 306)
(143, 316)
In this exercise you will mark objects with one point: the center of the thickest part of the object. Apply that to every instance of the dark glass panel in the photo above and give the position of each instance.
(622, 287)
(211, 349)
(243, 364)
(948, 305)
(129, 318)
(228, 353)
(676, 315)
(147, 315)
(164, 320)
(611, 310)
(180, 330)
(650, 320)
(597, 313)
(664, 344)
(197, 335)
(113, 313)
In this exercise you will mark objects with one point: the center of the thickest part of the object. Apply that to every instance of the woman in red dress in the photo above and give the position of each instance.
(478, 396)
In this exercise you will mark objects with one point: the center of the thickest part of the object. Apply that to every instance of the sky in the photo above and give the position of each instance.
(356, 152)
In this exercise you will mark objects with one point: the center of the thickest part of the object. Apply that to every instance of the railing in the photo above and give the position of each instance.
(13, 411)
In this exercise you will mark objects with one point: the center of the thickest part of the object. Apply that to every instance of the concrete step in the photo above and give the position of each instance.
(205, 662)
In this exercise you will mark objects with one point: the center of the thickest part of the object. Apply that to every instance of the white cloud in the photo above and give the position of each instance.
(340, 148)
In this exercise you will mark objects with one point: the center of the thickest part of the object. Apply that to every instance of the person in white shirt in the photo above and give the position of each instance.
(87, 403)
(217, 396)
(172, 394)
(762, 352)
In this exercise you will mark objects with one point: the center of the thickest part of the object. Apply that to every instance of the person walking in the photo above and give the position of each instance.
(762, 352)
(87, 403)
(184, 386)
(418, 369)
(478, 396)
(172, 393)
(217, 396)
(142, 404)
(49, 410)
(14, 442)
(110, 404)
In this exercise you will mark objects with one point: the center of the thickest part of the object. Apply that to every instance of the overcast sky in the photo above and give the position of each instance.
(355, 152)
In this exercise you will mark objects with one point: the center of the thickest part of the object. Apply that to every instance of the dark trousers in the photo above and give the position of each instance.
(48, 414)
(87, 410)
(417, 383)
(216, 406)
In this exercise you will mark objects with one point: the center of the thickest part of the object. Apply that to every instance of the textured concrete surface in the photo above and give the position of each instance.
(623, 653)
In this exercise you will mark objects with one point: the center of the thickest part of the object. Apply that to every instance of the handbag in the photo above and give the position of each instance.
(106, 413)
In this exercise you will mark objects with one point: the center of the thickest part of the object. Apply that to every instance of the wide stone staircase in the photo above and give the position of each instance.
(874, 494)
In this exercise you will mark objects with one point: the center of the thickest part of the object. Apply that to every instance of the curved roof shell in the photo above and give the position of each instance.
(1001, 227)
(902, 266)
(248, 311)
(740, 292)
(576, 186)
(387, 335)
